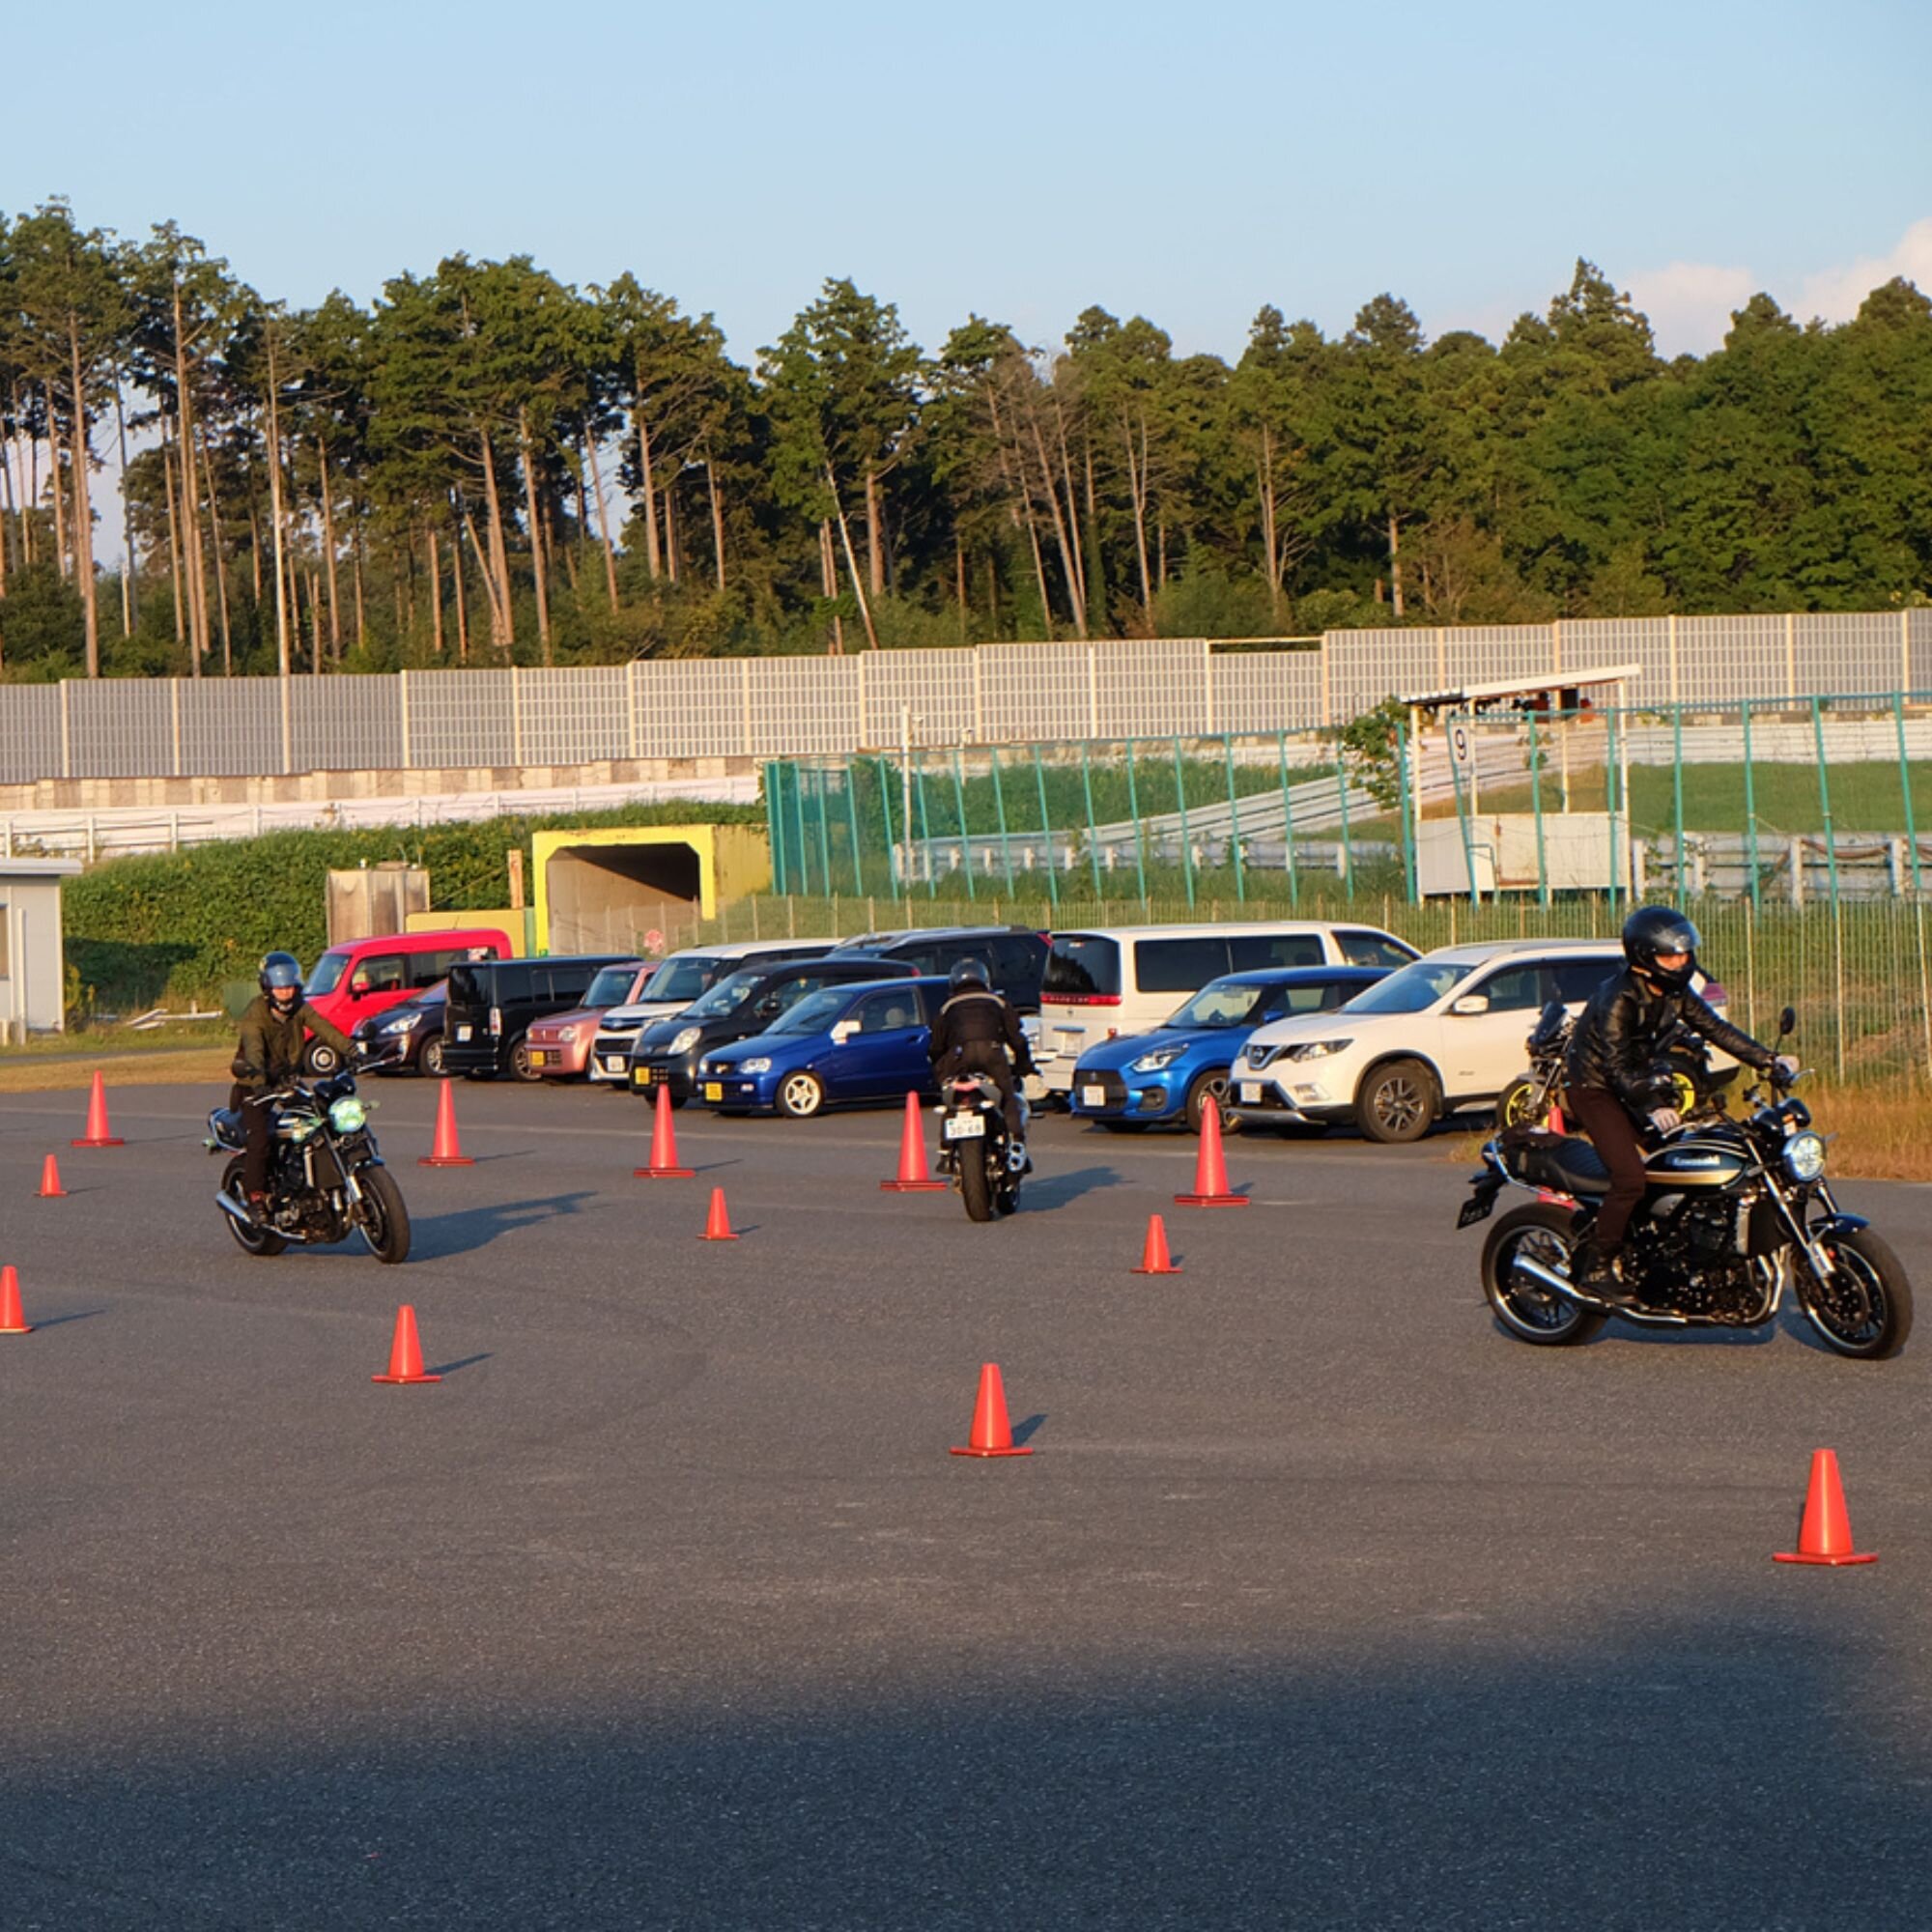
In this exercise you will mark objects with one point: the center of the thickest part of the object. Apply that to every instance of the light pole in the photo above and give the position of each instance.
(907, 720)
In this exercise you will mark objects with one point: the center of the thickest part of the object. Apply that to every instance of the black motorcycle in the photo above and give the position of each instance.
(326, 1177)
(1737, 1212)
(982, 1158)
(1682, 1071)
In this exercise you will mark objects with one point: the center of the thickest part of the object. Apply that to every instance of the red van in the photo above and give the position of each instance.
(359, 978)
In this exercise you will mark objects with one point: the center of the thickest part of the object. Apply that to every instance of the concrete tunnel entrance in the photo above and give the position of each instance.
(607, 899)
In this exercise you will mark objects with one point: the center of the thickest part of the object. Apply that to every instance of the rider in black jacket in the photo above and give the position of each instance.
(1610, 1068)
(977, 1032)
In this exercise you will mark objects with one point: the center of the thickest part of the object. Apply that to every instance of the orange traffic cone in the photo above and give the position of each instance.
(1154, 1257)
(663, 1147)
(405, 1355)
(1825, 1536)
(913, 1177)
(717, 1225)
(1210, 1170)
(11, 1320)
(51, 1187)
(1556, 1120)
(98, 1134)
(992, 1435)
(446, 1149)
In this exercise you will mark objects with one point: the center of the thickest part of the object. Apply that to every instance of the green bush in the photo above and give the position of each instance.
(171, 926)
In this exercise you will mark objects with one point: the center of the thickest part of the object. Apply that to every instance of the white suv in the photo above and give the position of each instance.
(1443, 1032)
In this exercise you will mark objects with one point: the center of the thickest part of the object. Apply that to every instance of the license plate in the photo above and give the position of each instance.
(1093, 1096)
(714, 1090)
(965, 1127)
(463, 1031)
(542, 1057)
(643, 1076)
(1251, 1093)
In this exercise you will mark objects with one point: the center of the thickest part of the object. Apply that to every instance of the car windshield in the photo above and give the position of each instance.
(681, 980)
(728, 995)
(1418, 985)
(609, 986)
(815, 1014)
(328, 974)
(1224, 1003)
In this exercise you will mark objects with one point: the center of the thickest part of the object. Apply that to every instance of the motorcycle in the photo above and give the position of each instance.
(1737, 1213)
(976, 1152)
(326, 1177)
(1683, 1068)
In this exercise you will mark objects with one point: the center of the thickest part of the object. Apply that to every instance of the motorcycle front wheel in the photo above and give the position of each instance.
(383, 1218)
(1527, 1311)
(250, 1238)
(1863, 1309)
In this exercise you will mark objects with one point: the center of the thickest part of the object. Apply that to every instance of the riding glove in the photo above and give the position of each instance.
(1785, 1068)
(1666, 1119)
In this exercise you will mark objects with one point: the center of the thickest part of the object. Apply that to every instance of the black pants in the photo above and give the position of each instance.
(990, 1058)
(1613, 1134)
(257, 1124)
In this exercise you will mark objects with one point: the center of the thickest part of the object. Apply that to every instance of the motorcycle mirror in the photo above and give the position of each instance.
(1787, 1021)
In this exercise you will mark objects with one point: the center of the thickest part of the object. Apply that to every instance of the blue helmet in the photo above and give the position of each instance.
(279, 972)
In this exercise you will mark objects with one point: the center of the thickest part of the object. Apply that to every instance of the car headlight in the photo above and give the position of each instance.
(402, 1025)
(1258, 1056)
(348, 1114)
(1318, 1049)
(686, 1039)
(1160, 1056)
(565, 1033)
(758, 1066)
(1804, 1156)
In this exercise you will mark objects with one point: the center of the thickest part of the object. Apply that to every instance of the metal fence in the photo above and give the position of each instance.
(996, 694)
(1768, 801)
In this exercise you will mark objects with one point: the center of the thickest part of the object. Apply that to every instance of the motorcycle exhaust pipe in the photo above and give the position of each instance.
(229, 1207)
(1556, 1283)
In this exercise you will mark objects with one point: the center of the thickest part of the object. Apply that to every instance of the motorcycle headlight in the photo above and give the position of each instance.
(760, 1064)
(1160, 1056)
(348, 1115)
(1318, 1049)
(1804, 1156)
(687, 1038)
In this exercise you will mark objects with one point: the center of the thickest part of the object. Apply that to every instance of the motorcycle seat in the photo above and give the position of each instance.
(227, 1124)
(1567, 1165)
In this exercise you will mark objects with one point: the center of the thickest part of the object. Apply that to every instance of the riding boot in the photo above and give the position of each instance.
(1602, 1275)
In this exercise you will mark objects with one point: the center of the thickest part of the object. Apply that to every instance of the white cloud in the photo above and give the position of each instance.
(1689, 304)
(1835, 294)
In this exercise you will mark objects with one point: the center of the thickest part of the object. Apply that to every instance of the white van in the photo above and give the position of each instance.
(1108, 982)
(681, 978)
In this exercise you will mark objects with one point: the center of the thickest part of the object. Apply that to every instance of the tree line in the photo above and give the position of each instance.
(488, 465)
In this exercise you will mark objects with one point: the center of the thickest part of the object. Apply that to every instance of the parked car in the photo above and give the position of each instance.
(680, 978)
(560, 1044)
(410, 1032)
(1169, 1073)
(361, 978)
(848, 1043)
(1442, 1033)
(1110, 981)
(1014, 956)
(667, 1052)
(493, 1002)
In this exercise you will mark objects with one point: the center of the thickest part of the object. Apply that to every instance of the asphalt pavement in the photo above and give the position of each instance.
(1319, 1601)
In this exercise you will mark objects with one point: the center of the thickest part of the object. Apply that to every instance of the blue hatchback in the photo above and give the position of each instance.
(847, 1043)
(1169, 1074)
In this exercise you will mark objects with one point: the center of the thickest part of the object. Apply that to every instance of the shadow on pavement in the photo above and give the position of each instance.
(467, 1228)
(1056, 1191)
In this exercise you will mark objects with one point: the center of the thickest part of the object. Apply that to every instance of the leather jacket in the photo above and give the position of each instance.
(974, 1017)
(1618, 1035)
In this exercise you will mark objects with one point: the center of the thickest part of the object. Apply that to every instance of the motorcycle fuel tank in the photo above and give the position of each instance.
(1696, 1164)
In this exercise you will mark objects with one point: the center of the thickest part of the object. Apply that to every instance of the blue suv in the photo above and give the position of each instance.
(1169, 1075)
(845, 1045)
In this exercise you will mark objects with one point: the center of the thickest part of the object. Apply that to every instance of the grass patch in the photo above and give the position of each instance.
(40, 1073)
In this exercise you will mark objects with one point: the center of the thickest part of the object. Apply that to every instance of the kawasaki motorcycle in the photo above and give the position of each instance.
(326, 1177)
(1736, 1214)
(976, 1152)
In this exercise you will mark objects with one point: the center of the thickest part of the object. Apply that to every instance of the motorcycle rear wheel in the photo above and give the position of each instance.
(384, 1218)
(1525, 1311)
(250, 1238)
(976, 1187)
(1864, 1310)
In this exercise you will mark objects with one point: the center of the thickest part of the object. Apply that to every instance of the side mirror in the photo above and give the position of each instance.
(1787, 1021)
(1470, 1003)
(844, 1032)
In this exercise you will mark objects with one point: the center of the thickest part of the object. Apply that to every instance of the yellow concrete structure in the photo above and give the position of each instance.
(604, 889)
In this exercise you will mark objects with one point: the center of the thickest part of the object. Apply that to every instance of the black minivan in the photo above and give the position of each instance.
(667, 1052)
(492, 1003)
(1014, 956)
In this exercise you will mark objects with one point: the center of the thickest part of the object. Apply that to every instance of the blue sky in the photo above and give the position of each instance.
(1186, 163)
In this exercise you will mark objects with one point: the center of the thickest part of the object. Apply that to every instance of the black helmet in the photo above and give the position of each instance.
(969, 973)
(279, 970)
(1653, 930)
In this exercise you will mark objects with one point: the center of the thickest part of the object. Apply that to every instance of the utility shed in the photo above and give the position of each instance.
(601, 890)
(32, 954)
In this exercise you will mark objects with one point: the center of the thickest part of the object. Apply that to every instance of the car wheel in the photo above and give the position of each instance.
(801, 1096)
(521, 1066)
(1211, 1085)
(1397, 1103)
(319, 1060)
(430, 1059)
